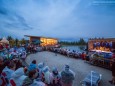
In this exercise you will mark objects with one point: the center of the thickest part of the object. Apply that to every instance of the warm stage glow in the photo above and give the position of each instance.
(48, 41)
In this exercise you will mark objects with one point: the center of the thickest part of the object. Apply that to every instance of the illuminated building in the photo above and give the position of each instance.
(43, 41)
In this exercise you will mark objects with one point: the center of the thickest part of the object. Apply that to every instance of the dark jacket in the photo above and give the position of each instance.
(67, 77)
(113, 68)
(28, 81)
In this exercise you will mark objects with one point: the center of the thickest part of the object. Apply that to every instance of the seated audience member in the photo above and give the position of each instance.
(38, 82)
(8, 70)
(87, 58)
(55, 77)
(1, 47)
(30, 79)
(67, 76)
(83, 56)
(32, 65)
(18, 76)
(23, 55)
(40, 69)
(47, 74)
(18, 63)
(113, 55)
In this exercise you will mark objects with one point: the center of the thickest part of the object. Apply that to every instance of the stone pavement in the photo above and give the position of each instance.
(80, 67)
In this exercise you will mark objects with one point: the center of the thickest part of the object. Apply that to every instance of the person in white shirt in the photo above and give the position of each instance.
(55, 77)
(18, 76)
(47, 75)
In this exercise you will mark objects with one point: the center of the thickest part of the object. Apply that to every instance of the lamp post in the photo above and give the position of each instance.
(91, 77)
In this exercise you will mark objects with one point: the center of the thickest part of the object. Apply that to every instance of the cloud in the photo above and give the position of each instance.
(12, 20)
(57, 18)
(3, 11)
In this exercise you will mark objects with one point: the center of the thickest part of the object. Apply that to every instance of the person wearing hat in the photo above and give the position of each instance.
(9, 70)
(19, 75)
(67, 76)
(55, 77)
(30, 79)
(33, 65)
(40, 69)
(47, 76)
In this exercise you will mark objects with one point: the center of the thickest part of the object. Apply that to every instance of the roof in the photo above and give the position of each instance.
(4, 40)
(39, 37)
(101, 39)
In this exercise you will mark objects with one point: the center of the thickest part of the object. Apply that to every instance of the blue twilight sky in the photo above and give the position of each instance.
(64, 19)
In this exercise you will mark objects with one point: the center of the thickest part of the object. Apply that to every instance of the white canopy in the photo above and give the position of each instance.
(4, 40)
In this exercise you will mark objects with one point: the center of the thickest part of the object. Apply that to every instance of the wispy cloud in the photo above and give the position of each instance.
(57, 18)
(12, 20)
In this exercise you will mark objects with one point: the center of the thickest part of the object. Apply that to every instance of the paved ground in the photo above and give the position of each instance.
(80, 67)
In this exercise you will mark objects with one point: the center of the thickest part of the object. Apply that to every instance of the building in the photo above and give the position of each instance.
(43, 41)
(103, 44)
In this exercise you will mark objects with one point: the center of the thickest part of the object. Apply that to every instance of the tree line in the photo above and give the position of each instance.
(17, 42)
(81, 41)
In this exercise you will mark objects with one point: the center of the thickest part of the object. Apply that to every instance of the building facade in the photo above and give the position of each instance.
(43, 41)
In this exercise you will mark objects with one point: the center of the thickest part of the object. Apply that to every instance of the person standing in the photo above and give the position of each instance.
(55, 52)
(67, 76)
(55, 77)
(113, 72)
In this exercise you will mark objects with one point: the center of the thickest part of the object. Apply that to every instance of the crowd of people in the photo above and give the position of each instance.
(13, 73)
(91, 56)
(105, 46)
(107, 59)
(68, 52)
(33, 48)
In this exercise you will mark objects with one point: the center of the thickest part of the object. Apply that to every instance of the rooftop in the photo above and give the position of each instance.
(40, 37)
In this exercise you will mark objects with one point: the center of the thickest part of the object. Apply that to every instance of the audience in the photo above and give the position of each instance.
(32, 65)
(30, 78)
(19, 75)
(55, 77)
(40, 69)
(46, 77)
(16, 74)
(113, 72)
(67, 76)
(9, 69)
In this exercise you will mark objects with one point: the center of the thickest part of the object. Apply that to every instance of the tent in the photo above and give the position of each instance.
(5, 41)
